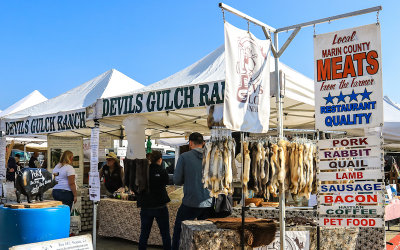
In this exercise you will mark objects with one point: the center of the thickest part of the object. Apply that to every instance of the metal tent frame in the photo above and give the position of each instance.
(277, 54)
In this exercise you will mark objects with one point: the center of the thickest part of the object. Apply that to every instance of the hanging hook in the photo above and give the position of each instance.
(223, 14)
(377, 17)
(248, 26)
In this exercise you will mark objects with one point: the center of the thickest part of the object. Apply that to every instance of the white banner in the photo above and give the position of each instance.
(94, 149)
(350, 222)
(350, 153)
(350, 198)
(351, 175)
(94, 186)
(47, 124)
(191, 96)
(3, 163)
(247, 93)
(350, 210)
(368, 163)
(362, 186)
(348, 79)
(366, 141)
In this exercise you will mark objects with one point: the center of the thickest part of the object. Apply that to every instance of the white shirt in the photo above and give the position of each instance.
(62, 177)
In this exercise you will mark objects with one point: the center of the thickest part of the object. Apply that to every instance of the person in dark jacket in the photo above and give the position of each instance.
(11, 169)
(196, 202)
(113, 173)
(154, 203)
(34, 162)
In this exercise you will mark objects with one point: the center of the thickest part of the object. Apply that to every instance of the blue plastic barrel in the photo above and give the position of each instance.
(29, 225)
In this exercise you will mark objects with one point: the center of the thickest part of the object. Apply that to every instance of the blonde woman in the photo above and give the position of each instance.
(65, 190)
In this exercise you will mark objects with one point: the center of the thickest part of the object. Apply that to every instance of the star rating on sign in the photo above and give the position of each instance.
(353, 97)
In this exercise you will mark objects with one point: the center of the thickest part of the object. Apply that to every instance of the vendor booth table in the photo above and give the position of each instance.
(121, 219)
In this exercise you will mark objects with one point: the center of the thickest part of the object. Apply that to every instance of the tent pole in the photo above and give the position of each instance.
(24, 155)
(121, 136)
(243, 196)
(280, 135)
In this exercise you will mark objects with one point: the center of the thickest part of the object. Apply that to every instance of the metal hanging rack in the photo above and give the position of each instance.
(279, 103)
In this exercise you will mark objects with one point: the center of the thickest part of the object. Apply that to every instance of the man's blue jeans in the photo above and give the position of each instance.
(147, 216)
(188, 213)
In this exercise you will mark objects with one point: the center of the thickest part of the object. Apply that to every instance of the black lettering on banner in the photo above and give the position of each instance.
(215, 99)
(7, 129)
(83, 120)
(113, 109)
(71, 118)
(59, 123)
(33, 126)
(160, 103)
(188, 95)
(204, 95)
(151, 103)
(120, 104)
(106, 107)
(139, 105)
(131, 106)
(46, 126)
(168, 105)
(178, 104)
(26, 127)
(125, 100)
(51, 124)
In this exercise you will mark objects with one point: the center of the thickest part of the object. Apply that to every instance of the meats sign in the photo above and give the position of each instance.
(348, 79)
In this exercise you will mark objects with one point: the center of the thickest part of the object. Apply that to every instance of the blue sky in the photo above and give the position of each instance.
(53, 46)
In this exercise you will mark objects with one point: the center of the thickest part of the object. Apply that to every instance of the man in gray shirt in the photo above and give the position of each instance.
(196, 202)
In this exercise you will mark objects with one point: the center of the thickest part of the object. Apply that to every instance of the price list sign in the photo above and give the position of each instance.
(350, 173)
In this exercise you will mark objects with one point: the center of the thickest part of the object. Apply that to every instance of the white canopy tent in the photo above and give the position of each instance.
(32, 99)
(298, 101)
(391, 126)
(35, 97)
(78, 99)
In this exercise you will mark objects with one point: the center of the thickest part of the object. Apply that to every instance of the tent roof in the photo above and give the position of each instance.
(391, 117)
(32, 99)
(108, 84)
(211, 68)
(298, 102)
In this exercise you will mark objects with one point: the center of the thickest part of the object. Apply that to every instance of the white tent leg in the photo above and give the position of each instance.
(94, 224)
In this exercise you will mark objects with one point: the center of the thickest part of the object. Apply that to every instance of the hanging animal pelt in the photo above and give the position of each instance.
(219, 166)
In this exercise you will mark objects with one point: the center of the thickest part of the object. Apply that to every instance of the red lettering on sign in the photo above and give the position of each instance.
(343, 39)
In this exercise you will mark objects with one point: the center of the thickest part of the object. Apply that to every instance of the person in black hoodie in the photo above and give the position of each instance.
(154, 203)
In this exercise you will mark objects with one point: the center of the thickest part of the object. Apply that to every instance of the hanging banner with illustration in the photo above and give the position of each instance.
(247, 93)
(348, 79)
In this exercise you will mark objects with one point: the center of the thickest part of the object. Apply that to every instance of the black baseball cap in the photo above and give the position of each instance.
(196, 138)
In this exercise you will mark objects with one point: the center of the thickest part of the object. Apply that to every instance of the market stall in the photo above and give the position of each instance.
(180, 103)
(63, 120)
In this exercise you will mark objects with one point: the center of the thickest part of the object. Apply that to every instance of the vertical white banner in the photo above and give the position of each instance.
(348, 79)
(3, 163)
(94, 150)
(94, 179)
(94, 186)
(247, 82)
